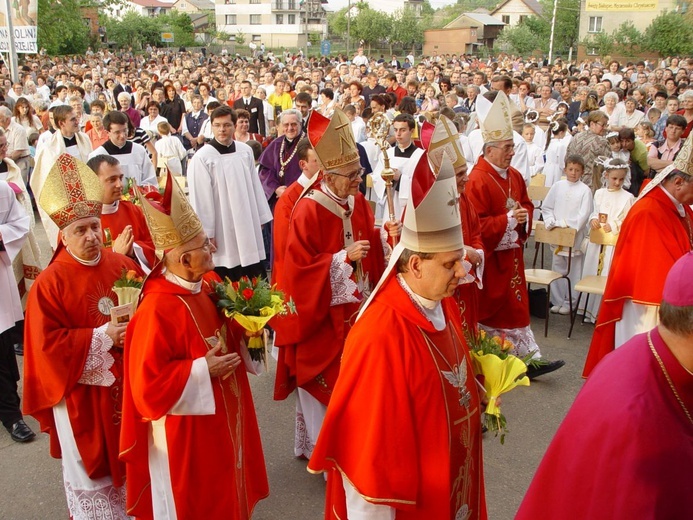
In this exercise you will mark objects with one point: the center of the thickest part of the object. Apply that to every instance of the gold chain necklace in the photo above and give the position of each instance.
(510, 202)
(666, 375)
(282, 163)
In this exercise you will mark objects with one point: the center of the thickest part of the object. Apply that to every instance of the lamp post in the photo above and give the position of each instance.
(553, 28)
(348, 28)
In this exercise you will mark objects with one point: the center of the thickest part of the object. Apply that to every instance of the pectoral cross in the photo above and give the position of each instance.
(348, 235)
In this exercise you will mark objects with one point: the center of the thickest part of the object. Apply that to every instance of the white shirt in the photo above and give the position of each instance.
(227, 195)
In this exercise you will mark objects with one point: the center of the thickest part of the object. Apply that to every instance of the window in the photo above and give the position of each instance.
(506, 19)
(254, 1)
(292, 19)
(280, 19)
(182, 5)
(278, 5)
(257, 37)
(230, 19)
(523, 17)
(595, 24)
(227, 2)
(292, 5)
(255, 19)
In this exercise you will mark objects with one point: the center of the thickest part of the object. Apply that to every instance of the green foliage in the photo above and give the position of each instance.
(628, 39)
(60, 27)
(371, 26)
(670, 34)
(407, 28)
(519, 40)
(599, 43)
(240, 37)
(180, 25)
(137, 31)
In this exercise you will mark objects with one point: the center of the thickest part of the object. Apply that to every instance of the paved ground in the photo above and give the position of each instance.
(31, 482)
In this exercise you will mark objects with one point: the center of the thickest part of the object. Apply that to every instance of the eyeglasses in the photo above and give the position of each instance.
(506, 149)
(351, 176)
(206, 246)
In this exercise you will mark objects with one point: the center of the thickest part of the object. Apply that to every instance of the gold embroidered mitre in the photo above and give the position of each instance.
(175, 222)
(72, 191)
(333, 140)
(684, 159)
(445, 138)
(497, 125)
(433, 224)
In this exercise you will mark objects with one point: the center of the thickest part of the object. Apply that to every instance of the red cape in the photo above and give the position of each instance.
(625, 449)
(504, 301)
(313, 346)
(391, 427)
(216, 462)
(66, 303)
(653, 237)
(467, 295)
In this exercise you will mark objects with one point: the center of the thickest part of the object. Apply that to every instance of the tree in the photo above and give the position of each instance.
(240, 37)
(628, 39)
(670, 34)
(133, 30)
(520, 40)
(599, 43)
(407, 29)
(180, 25)
(60, 27)
(370, 26)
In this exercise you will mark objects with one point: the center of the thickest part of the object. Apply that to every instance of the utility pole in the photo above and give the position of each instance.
(348, 13)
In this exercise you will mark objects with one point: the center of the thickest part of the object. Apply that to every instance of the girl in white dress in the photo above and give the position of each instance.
(554, 153)
(535, 155)
(611, 204)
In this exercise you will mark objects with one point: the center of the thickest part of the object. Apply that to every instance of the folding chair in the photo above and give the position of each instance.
(559, 237)
(593, 284)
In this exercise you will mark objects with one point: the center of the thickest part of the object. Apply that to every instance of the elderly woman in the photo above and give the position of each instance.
(612, 110)
(124, 101)
(591, 144)
(470, 102)
(630, 117)
(97, 134)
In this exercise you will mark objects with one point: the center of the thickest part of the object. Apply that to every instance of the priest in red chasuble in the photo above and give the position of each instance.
(657, 231)
(499, 194)
(190, 439)
(333, 257)
(402, 434)
(72, 351)
(439, 139)
(122, 223)
(625, 448)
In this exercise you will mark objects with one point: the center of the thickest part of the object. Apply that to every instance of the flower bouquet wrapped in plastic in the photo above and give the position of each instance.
(252, 303)
(500, 371)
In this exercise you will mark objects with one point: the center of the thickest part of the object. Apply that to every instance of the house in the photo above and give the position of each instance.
(193, 6)
(274, 23)
(392, 6)
(149, 8)
(512, 12)
(605, 16)
(464, 34)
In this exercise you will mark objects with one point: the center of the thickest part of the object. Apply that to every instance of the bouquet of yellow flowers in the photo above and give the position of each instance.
(501, 373)
(252, 303)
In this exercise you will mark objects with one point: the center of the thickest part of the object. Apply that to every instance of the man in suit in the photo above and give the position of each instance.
(253, 106)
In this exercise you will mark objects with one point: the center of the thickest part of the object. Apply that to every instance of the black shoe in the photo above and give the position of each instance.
(20, 432)
(541, 367)
(19, 349)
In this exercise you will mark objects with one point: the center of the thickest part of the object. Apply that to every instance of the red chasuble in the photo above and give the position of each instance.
(503, 302)
(653, 237)
(67, 302)
(113, 225)
(216, 464)
(625, 449)
(467, 295)
(314, 346)
(403, 425)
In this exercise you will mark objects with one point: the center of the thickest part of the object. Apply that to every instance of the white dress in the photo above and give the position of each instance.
(615, 204)
(554, 166)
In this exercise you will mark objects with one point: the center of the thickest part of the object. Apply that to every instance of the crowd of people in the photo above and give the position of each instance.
(192, 168)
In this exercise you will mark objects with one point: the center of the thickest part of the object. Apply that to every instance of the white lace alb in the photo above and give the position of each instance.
(106, 503)
(343, 287)
(99, 360)
(510, 237)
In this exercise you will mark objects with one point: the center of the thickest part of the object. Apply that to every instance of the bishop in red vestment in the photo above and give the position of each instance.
(402, 435)
(190, 439)
(625, 448)
(657, 231)
(333, 257)
(73, 360)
